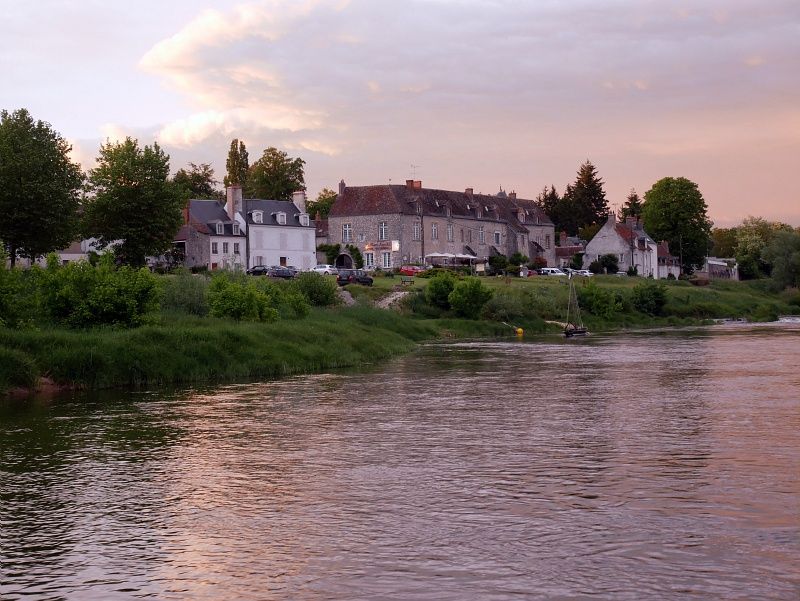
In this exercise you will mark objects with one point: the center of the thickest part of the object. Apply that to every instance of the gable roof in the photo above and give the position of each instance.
(207, 214)
(271, 208)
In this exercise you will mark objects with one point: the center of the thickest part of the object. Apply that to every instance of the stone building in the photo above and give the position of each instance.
(396, 224)
(628, 241)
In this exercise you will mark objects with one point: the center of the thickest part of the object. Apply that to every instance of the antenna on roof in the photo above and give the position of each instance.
(414, 170)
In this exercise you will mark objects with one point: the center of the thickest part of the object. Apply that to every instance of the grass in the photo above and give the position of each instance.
(181, 349)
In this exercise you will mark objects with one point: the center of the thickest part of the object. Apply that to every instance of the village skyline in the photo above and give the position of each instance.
(455, 94)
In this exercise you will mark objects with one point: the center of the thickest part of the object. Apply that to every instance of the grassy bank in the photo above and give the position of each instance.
(180, 349)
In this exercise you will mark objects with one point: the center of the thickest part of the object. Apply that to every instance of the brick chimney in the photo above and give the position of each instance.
(563, 238)
(414, 184)
(410, 184)
(233, 201)
(468, 192)
(512, 195)
(342, 187)
(299, 200)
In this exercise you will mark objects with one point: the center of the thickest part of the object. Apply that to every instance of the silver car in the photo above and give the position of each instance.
(325, 269)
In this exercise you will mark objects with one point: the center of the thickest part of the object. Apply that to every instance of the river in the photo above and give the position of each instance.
(658, 465)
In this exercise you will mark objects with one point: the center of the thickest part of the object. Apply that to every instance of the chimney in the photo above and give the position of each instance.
(468, 192)
(563, 238)
(186, 213)
(233, 202)
(410, 184)
(299, 200)
(418, 184)
(512, 195)
(631, 222)
(342, 187)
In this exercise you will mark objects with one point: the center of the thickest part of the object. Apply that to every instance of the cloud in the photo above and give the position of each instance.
(485, 88)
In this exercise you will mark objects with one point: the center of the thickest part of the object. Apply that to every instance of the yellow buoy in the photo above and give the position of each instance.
(520, 332)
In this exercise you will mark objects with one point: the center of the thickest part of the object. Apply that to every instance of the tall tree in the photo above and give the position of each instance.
(752, 237)
(724, 241)
(322, 205)
(585, 199)
(632, 206)
(238, 165)
(134, 202)
(39, 187)
(198, 181)
(783, 254)
(674, 210)
(275, 176)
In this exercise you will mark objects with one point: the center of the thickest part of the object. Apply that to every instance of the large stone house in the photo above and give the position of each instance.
(627, 240)
(396, 224)
(247, 232)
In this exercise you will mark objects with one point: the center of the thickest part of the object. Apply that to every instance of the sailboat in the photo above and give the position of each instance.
(574, 325)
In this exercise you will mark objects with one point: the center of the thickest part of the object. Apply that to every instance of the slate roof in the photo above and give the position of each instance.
(271, 208)
(407, 200)
(208, 213)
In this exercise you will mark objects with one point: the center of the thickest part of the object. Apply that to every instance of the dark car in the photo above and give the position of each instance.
(259, 270)
(353, 276)
(278, 271)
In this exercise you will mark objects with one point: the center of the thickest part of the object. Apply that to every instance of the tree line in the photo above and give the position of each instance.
(128, 198)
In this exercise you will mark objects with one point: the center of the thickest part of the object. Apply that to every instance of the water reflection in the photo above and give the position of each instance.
(625, 467)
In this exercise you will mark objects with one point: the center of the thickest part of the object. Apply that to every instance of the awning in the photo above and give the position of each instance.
(440, 256)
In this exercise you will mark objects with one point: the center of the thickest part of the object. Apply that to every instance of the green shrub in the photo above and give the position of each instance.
(185, 292)
(318, 289)
(650, 297)
(239, 300)
(439, 288)
(599, 301)
(505, 305)
(80, 295)
(610, 263)
(468, 297)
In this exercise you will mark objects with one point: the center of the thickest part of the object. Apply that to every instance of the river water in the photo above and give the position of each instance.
(661, 465)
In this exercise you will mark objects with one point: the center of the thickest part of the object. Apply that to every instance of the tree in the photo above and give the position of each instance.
(585, 200)
(275, 176)
(468, 297)
(39, 187)
(632, 206)
(674, 210)
(783, 253)
(322, 205)
(724, 241)
(238, 165)
(198, 181)
(134, 202)
(752, 237)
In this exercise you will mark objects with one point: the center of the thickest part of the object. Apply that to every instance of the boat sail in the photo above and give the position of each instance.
(574, 325)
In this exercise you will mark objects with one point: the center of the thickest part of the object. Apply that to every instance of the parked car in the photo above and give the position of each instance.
(411, 269)
(325, 269)
(293, 269)
(278, 271)
(258, 270)
(583, 272)
(551, 271)
(353, 276)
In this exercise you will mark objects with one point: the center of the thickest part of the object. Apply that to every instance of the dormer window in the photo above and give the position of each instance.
(258, 217)
(220, 229)
(304, 220)
(235, 229)
(280, 217)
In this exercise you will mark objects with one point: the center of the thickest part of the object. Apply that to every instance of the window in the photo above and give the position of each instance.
(434, 231)
(214, 248)
(304, 220)
(236, 248)
(224, 248)
(281, 218)
(481, 235)
(383, 231)
(497, 238)
(387, 260)
(449, 232)
(416, 230)
(369, 259)
(235, 229)
(347, 232)
(258, 217)
(220, 228)
(462, 234)
(469, 236)
(362, 237)
(547, 241)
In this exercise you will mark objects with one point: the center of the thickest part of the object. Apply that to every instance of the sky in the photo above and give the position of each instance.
(483, 94)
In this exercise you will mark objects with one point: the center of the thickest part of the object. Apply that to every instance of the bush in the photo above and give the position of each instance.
(17, 369)
(185, 292)
(610, 263)
(633, 271)
(439, 288)
(650, 297)
(505, 305)
(318, 290)
(598, 301)
(81, 295)
(468, 297)
(239, 301)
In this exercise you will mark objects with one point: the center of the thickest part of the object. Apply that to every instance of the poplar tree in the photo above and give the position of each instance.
(237, 165)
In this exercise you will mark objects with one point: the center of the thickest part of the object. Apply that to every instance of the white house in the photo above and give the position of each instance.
(629, 242)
